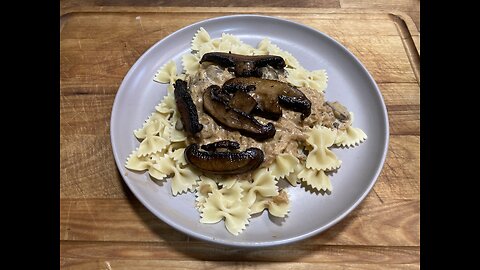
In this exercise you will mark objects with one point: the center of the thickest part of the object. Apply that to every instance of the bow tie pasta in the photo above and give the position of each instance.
(300, 152)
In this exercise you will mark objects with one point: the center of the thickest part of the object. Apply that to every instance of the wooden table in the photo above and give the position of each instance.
(103, 226)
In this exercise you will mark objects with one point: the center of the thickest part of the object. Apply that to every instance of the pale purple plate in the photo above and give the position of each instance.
(349, 82)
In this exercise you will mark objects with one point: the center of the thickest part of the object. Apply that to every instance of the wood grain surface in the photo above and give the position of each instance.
(410, 7)
(103, 226)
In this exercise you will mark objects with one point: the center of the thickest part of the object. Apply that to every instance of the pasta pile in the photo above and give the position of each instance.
(161, 151)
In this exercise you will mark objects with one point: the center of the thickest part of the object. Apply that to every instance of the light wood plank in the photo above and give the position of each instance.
(374, 222)
(95, 54)
(383, 56)
(157, 25)
(72, 4)
(404, 119)
(400, 177)
(203, 251)
(410, 7)
(118, 264)
(400, 94)
(382, 4)
(223, 3)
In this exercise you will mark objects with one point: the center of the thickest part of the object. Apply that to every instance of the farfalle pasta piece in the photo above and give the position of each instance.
(177, 135)
(231, 39)
(205, 48)
(144, 163)
(318, 80)
(167, 106)
(154, 126)
(167, 73)
(170, 89)
(317, 179)
(290, 60)
(179, 157)
(183, 179)
(267, 47)
(231, 194)
(292, 178)
(227, 43)
(264, 184)
(152, 144)
(205, 187)
(301, 77)
(200, 38)
(166, 127)
(283, 165)
(226, 181)
(351, 136)
(278, 206)
(224, 46)
(176, 145)
(243, 49)
(320, 157)
(216, 208)
(190, 63)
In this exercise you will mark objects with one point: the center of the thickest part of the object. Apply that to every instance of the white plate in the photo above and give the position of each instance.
(349, 82)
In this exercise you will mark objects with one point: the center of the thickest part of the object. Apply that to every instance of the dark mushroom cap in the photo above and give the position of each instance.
(186, 108)
(225, 144)
(224, 162)
(271, 95)
(244, 65)
(215, 103)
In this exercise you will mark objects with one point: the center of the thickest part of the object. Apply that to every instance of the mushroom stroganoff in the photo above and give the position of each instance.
(235, 122)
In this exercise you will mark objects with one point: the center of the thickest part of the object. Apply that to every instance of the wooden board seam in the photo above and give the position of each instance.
(259, 10)
(407, 40)
(204, 243)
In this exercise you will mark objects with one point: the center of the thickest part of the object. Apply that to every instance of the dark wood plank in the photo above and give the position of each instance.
(202, 251)
(374, 222)
(119, 264)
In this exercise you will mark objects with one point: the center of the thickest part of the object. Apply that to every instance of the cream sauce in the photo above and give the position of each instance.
(290, 129)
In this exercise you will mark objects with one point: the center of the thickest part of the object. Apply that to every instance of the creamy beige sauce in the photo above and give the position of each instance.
(290, 129)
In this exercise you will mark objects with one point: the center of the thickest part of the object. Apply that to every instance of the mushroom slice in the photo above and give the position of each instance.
(224, 162)
(187, 109)
(244, 65)
(216, 105)
(243, 101)
(226, 144)
(270, 95)
(339, 111)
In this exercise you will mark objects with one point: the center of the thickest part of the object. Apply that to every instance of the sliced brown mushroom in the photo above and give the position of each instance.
(225, 144)
(270, 95)
(224, 162)
(244, 65)
(243, 101)
(186, 108)
(339, 111)
(215, 103)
